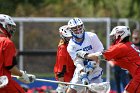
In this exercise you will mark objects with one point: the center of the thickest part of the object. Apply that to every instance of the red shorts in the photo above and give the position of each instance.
(134, 85)
(12, 87)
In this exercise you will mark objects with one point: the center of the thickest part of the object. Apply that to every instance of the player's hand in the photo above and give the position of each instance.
(26, 78)
(61, 88)
(91, 65)
(3, 81)
(81, 54)
(84, 78)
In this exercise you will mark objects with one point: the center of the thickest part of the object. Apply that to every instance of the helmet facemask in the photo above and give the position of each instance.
(7, 25)
(77, 27)
(112, 38)
(78, 31)
(11, 29)
(65, 33)
(119, 33)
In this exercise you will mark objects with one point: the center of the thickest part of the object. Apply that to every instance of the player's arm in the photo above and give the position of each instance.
(13, 69)
(78, 62)
(61, 73)
(109, 54)
(92, 56)
(11, 62)
(61, 63)
(22, 75)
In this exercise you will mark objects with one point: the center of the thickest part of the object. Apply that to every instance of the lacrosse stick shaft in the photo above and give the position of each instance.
(92, 86)
(58, 82)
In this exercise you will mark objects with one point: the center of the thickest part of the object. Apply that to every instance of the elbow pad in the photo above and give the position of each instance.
(61, 74)
(14, 62)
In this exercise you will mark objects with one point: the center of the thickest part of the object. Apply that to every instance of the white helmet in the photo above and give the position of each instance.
(7, 25)
(120, 32)
(77, 27)
(65, 32)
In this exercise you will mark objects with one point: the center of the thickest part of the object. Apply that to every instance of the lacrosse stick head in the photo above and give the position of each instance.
(103, 87)
(3, 81)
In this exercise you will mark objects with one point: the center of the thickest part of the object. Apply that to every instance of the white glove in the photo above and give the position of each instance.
(3, 81)
(81, 54)
(61, 88)
(26, 78)
(84, 78)
(91, 65)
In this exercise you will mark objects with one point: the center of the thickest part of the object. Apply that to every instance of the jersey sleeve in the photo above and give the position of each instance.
(61, 59)
(112, 52)
(97, 44)
(72, 52)
(9, 53)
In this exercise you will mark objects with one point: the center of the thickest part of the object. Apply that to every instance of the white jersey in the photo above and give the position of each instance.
(90, 43)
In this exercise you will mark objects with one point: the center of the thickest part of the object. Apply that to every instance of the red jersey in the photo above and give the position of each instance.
(63, 58)
(125, 55)
(7, 52)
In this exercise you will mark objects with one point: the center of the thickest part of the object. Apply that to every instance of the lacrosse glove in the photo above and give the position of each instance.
(84, 78)
(26, 78)
(81, 54)
(91, 65)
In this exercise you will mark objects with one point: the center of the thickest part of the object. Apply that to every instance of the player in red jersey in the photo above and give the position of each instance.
(8, 58)
(124, 54)
(64, 67)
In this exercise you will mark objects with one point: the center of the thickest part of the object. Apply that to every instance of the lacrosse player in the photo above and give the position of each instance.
(123, 53)
(86, 71)
(64, 67)
(8, 58)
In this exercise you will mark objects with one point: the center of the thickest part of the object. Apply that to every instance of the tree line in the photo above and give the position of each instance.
(71, 8)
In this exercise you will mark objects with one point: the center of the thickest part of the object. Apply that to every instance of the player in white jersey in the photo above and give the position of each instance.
(86, 71)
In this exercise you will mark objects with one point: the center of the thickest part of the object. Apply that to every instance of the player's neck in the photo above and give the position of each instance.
(79, 39)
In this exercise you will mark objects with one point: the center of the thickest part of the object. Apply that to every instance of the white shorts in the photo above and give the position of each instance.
(94, 77)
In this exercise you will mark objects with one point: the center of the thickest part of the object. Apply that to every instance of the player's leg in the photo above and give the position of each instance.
(12, 87)
(75, 80)
(70, 90)
(95, 77)
(134, 85)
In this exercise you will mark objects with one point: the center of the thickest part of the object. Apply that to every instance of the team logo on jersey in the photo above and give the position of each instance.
(86, 48)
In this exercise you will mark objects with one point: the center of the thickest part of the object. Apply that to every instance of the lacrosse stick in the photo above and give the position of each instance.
(103, 87)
